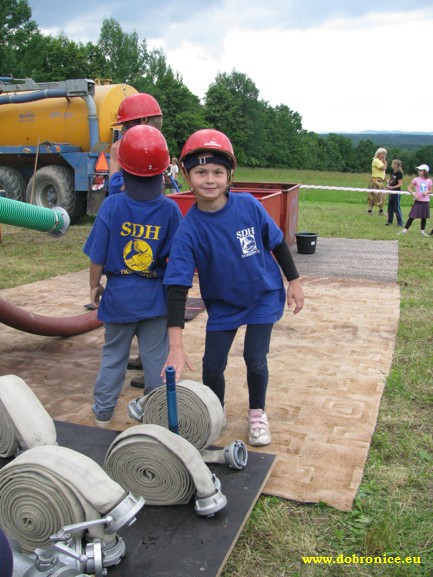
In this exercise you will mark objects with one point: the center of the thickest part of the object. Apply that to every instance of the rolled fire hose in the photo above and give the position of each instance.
(164, 468)
(46, 488)
(55, 221)
(200, 420)
(24, 422)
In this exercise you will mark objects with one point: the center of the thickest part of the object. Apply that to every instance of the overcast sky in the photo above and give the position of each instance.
(343, 65)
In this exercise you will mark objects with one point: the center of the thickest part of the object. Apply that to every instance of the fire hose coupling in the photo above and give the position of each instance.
(62, 220)
(236, 455)
(54, 221)
(94, 559)
(135, 409)
(122, 514)
(208, 505)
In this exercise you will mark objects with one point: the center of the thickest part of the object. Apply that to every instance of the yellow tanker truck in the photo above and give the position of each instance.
(54, 142)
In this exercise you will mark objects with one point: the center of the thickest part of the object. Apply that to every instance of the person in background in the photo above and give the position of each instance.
(134, 110)
(129, 243)
(394, 184)
(174, 173)
(377, 181)
(235, 246)
(137, 109)
(421, 207)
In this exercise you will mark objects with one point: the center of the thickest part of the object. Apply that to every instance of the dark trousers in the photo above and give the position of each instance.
(410, 221)
(256, 348)
(394, 207)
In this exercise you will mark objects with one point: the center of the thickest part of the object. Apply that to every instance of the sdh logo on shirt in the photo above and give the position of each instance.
(247, 240)
(137, 253)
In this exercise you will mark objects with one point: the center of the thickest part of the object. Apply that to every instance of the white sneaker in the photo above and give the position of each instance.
(404, 231)
(259, 434)
(102, 421)
(424, 233)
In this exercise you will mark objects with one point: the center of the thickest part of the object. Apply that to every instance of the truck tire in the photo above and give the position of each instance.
(12, 183)
(54, 186)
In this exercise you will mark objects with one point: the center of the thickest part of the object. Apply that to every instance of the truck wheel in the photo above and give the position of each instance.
(12, 183)
(54, 186)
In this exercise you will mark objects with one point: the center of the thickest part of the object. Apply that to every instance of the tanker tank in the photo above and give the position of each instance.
(61, 120)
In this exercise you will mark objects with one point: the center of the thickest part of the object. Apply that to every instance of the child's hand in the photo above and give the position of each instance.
(177, 358)
(96, 294)
(295, 292)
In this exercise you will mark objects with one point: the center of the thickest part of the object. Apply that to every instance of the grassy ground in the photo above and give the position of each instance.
(392, 513)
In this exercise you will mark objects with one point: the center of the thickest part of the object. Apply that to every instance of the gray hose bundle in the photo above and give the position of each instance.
(199, 410)
(24, 422)
(162, 467)
(46, 488)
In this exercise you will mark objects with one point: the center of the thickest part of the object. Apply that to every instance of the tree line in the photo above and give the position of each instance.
(262, 135)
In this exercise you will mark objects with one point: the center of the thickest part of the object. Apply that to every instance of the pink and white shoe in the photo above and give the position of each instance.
(259, 434)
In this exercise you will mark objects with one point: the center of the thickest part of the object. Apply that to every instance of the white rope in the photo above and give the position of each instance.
(353, 189)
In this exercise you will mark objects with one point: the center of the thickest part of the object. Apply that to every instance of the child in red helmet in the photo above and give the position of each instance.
(129, 243)
(232, 241)
(134, 110)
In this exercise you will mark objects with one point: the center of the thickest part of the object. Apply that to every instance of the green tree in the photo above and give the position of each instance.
(231, 105)
(125, 55)
(283, 137)
(365, 152)
(183, 113)
(61, 58)
(345, 160)
(421, 156)
(16, 32)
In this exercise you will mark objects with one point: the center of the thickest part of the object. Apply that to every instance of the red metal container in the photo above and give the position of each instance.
(288, 222)
(280, 200)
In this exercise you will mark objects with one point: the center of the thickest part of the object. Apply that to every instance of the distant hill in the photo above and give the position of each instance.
(402, 140)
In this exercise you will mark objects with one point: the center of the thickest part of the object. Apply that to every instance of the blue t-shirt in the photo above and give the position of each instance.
(115, 184)
(240, 281)
(132, 239)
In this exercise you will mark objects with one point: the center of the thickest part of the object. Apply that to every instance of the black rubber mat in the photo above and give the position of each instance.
(174, 541)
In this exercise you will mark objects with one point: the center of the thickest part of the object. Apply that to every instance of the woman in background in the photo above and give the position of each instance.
(377, 181)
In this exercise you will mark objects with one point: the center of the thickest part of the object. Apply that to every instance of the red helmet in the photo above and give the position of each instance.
(137, 106)
(206, 140)
(143, 151)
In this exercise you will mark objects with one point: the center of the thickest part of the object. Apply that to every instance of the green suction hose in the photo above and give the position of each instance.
(55, 221)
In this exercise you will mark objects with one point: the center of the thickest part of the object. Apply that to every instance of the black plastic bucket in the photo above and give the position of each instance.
(306, 242)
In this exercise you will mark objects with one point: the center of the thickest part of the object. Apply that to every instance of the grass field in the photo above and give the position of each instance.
(392, 514)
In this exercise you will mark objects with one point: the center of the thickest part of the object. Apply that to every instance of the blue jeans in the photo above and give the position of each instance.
(153, 346)
(256, 348)
(394, 207)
